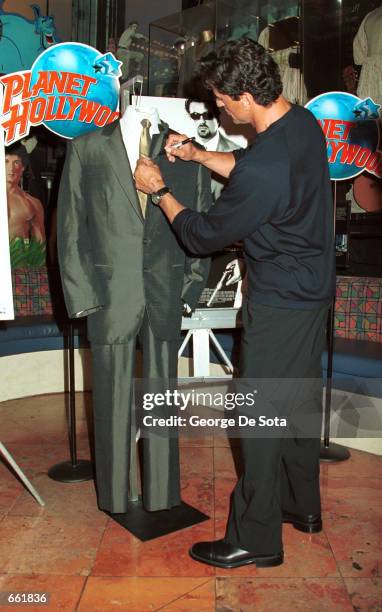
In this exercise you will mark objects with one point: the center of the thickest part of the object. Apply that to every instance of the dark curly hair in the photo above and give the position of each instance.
(210, 105)
(19, 151)
(242, 66)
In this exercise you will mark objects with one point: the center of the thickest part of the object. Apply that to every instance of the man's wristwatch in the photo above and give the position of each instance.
(158, 195)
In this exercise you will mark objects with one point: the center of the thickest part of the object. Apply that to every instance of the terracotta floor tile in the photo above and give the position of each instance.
(306, 556)
(8, 499)
(76, 503)
(40, 419)
(199, 492)
(227, 462)
(281, 595)
(36, 460)
(48, 545)
(352, 495)
(48, 433)
(10, 489)
(197, 461)
(70, 538)
(359, 464)
(121, 554)
(201, 599)
(50, 560)
(45, 405)
(64, 591)
(365, 593)
(187, 440)
(134, 594)
(356, 543)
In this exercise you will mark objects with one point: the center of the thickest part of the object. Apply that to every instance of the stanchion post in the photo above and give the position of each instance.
(73, 470)
(330, 451)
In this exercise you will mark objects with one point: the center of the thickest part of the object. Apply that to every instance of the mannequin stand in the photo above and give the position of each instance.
(149, 525)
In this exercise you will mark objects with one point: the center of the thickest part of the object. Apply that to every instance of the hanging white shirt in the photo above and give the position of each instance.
(367, 50)
(131, 128)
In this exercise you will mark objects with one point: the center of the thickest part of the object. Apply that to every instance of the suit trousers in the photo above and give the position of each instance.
(281, 472)
(114, 422)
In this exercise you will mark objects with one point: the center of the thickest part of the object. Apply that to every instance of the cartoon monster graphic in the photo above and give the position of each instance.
(22, 41)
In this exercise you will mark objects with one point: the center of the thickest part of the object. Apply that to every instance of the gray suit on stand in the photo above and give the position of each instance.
(130, 276)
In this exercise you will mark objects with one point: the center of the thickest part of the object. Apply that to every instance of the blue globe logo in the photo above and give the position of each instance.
(351, 129)
(82, 61)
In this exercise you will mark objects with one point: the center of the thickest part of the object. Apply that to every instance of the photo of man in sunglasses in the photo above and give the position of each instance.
(205, 115)
(206, 118)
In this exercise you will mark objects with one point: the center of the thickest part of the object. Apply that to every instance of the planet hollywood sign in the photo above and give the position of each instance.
(71, 89)
(352, 133)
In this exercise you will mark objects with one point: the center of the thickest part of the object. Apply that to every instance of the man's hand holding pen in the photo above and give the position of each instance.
(179, 145)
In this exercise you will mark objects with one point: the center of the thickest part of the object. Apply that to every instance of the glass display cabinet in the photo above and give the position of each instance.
(178, 41)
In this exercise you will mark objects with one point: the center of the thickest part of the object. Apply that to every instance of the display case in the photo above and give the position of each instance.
(342, 51)
(178, 41)
(320, 45)
(97, 22)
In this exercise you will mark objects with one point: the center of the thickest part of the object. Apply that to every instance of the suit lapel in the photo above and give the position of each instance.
(121, 165)
(158, 140)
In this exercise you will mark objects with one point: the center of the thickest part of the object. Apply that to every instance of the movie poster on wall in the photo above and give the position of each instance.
(6, 296)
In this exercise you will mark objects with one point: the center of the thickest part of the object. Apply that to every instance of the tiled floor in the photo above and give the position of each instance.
(89, 563)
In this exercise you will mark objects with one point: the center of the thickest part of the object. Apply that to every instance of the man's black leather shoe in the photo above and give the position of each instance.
(226, 555)
(308, 523)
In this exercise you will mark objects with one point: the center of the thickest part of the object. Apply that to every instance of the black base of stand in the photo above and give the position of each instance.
(149, 525)
(67, 472)
(333, 452)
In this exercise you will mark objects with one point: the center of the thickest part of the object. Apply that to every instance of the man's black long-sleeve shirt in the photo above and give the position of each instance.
(279, 202)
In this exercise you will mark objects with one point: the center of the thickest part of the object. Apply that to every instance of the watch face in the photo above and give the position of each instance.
(155, 198)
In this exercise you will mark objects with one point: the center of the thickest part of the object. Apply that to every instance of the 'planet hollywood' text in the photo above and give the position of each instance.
(345, 152)
(72, 89)
(64, 99)
(351, 129)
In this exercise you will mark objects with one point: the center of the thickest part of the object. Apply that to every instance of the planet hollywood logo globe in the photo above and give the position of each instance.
(352, 133)
(83, 61)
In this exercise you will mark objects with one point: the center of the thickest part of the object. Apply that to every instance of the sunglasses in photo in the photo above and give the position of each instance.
(207, 115)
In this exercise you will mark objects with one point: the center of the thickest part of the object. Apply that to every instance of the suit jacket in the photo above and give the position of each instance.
(114, 263)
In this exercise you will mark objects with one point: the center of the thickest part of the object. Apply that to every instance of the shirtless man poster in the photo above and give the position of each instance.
(25, 214)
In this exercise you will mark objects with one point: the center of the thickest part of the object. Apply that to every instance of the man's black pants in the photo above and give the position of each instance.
(280, 472)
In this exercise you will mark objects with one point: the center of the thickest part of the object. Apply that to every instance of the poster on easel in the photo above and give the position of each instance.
(200, 119)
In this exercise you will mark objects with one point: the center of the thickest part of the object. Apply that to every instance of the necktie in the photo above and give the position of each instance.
(144, 149)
